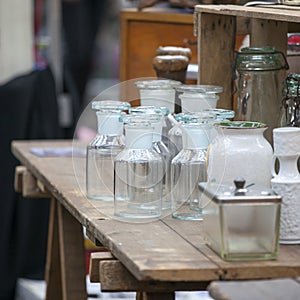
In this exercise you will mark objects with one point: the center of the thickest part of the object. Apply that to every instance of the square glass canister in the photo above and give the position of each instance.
(241, 222)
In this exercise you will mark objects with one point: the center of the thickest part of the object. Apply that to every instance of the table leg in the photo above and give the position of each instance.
(155, 296)
(65, 270)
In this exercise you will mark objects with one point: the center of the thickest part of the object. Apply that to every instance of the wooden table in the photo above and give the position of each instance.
(155, 258)
(216, 28)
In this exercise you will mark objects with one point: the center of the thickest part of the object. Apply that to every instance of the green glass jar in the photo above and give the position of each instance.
(290, 111)
(258, 86)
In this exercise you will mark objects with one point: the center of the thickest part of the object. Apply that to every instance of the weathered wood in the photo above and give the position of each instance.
(95, 259)
(280, 13)
(276, 289)
(216, 43)
(53, 264)
(115, 277)
(28, 185)
(165, 250)
(217, 27)
(72, 256)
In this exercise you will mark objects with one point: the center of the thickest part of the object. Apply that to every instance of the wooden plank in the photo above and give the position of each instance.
(72, 256)
(216, 41)
(276, 289)
(30, 187)
(95, 259)
(18, 182)
(53, 264)
(115, 277)
(286, 15)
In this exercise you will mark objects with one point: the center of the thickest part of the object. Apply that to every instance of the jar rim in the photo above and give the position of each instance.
(241, 125)
(153, 84)
(199, 88)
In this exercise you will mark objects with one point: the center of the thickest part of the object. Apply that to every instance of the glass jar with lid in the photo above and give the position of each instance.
(102, 150)
(138, 173)
(156, 117)
(188, 168)
(290, 106)
(258, 90)
(195, 98)
(158, 92)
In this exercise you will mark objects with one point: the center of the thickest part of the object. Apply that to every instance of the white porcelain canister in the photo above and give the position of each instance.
(286, 182)
(240, 150)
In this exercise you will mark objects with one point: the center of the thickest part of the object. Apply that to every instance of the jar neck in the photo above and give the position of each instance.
(195, 138)
(109, 124)
(138, 137)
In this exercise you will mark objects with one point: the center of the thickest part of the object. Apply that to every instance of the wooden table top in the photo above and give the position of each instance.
(163, 250)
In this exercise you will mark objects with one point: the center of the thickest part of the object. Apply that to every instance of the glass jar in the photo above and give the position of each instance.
(258, 92)
(290, 106)
(195, 98)
(158, 93)
(241, 221)
(138, 173)
(156, 116)
(188, 168)
(240, 150)
(207, 115)
(102, 150)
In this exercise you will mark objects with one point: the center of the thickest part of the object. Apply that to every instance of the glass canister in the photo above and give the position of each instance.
(188, 168)
(138, 173)
(156, 116)
(158, 93)
(195, 98)
(290, 106)
(241, 221)
(240, 149)
(102, 150)
(258, 88)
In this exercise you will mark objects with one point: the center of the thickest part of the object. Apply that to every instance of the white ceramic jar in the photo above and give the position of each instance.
(240, 150)
(286, 182)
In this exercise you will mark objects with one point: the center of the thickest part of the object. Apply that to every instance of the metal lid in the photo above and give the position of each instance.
(238, 192)
(291, 86)
(260, 59)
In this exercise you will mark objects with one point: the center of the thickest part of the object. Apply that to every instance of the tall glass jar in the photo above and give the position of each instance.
(258, 98)
(156, 117)
(188, 168)
(290, 106)
(240, 150)
(138, 173)
(102, 150)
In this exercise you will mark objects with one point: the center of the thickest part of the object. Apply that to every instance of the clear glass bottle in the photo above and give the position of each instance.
(138, 173)
(258, 97)
(188, 169)
(290, 106)
(102, 150)
(156, 117)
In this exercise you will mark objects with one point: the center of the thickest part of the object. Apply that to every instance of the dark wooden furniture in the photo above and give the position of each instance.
(142, 32)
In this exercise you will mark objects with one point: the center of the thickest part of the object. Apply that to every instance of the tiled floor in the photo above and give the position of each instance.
(35, 290)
